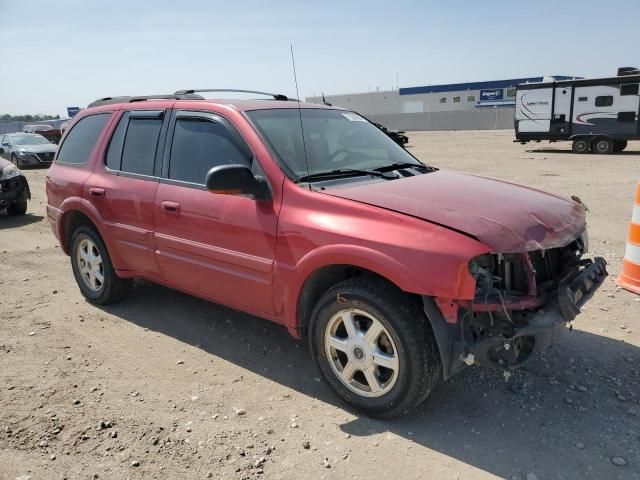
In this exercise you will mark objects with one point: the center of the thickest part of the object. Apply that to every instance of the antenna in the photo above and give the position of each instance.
(304, 145)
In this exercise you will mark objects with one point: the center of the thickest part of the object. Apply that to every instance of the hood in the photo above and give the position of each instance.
(43, 148)
(506, 217)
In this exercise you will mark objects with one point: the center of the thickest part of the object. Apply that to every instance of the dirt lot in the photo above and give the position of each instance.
(168, 386)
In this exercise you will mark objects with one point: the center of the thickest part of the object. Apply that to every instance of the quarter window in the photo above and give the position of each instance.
(82, 138)
(604, 101)
(198, 146)
(582, 99)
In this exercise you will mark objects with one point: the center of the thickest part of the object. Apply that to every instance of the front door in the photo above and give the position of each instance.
(221, 247)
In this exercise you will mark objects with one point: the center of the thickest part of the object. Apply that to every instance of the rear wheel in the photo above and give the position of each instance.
(580, 145)
(374, 347)
(619, 145)
(93, 269)
(603, 146)
(17, 208)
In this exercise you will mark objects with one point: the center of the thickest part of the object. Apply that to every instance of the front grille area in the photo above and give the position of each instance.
(524, 273)
(45, 157)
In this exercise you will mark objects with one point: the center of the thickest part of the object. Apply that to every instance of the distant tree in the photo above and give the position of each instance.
(6, 117)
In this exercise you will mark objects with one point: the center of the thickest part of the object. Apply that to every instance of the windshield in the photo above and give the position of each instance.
(29, 140)
(334, 139)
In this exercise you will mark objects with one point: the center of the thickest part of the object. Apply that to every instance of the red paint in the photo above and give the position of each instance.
(449, 309)
(257, 255)
(509, 218)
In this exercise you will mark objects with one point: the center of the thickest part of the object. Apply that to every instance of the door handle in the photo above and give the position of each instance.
(96, 192)
(170, 207)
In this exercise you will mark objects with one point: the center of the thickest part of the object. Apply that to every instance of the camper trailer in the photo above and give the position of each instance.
(598, 115)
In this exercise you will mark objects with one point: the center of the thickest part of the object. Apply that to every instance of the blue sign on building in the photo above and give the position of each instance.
(71, 111)
(491, 94)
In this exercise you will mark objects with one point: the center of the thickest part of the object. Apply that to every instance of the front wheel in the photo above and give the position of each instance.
(93, 269)
(17, 208)
(17, 162)
(374, 347)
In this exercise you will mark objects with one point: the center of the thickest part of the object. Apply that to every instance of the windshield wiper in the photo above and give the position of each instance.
(400, 165)
(341, 172)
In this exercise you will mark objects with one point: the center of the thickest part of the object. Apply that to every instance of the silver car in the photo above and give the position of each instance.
(27, 149)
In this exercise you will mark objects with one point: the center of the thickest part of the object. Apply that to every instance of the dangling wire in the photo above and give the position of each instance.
(304, 144)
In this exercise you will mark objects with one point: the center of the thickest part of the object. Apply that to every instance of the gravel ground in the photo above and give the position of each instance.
(165, 385)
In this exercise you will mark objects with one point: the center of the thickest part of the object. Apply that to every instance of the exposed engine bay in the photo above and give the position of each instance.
(522, 303)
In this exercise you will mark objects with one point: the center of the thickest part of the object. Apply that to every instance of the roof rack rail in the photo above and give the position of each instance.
(276, 96)
(141, 98)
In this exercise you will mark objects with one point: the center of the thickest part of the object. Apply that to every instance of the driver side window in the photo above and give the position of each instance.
(199, 145)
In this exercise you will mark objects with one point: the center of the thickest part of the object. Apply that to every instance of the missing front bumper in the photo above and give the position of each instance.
(543, 326)
(546, 324)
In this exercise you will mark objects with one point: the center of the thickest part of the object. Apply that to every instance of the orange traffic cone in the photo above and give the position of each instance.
(629, 277)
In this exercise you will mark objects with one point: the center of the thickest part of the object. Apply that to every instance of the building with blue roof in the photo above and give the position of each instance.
(453, 106)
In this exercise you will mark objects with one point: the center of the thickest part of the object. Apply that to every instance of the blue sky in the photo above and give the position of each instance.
(69, 52)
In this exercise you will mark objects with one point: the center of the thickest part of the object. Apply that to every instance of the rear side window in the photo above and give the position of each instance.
(140, 143)
(80, 141)
(199, 145)
(604, 101)
(134, 143)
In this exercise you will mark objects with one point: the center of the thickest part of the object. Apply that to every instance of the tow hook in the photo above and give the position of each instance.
(468, 358)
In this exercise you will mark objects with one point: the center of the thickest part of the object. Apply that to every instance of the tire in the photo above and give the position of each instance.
(406, 340)
(602, 146)
(580, 145)
(619, 145)
(17, 208)
(16, 161)
(111, 288)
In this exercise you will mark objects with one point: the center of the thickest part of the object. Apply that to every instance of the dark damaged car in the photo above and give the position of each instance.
(397, 273)
(14, 189)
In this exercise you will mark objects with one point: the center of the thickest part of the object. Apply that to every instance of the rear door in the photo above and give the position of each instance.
(123, 188)
(221, 247)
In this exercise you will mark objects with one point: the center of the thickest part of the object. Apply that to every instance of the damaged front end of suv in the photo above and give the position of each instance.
(522, 303)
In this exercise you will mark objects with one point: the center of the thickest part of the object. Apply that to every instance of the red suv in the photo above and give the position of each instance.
(397, 273)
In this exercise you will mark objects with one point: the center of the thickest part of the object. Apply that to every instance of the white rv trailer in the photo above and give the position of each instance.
(598, 115)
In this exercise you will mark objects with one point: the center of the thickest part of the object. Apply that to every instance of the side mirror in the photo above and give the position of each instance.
(236, 180)
(1, 150)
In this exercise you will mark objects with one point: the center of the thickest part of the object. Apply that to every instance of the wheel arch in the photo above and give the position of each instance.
(77, 212)
(319, 271)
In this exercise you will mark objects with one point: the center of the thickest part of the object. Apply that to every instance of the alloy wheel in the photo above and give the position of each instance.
(90, 265)
(361, 353)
